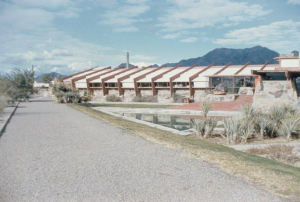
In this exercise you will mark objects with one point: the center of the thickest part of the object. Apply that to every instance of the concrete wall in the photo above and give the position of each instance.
(274, 93)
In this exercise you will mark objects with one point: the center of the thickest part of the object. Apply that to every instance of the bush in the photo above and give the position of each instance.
(146, 98)
(3, 103)
(177, 98)
(113, 98)
(86, 97)
(72, 97)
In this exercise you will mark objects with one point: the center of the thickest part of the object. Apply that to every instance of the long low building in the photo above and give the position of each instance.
(195, 82)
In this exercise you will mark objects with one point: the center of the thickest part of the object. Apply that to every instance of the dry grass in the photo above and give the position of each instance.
(278, 148)
(273, 176)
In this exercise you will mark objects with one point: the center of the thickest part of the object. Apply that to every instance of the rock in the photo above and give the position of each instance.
(166, 97)
(296, 151)
(222, 87)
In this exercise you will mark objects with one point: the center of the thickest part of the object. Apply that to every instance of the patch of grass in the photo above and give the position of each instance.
(278, 148)
(132, 105)
(274, 176)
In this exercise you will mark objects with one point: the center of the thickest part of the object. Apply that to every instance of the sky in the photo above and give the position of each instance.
(68, 36)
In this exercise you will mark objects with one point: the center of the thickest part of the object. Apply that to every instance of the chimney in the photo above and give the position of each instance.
(127, 63)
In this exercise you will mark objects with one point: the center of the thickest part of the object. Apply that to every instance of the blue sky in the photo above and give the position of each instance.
(68, 36)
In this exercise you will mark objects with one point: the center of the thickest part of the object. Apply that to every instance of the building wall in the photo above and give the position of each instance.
(289, 62)
(146, 92)
(128, 95)
(98, 95)
(274, 93)
(183, 93)
(202, 95)
(163, 96)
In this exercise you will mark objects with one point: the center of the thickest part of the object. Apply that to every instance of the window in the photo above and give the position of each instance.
(215, 81)
(249, 81)
(228, 81)
(144, 85)
(274, 76)
(238, 81)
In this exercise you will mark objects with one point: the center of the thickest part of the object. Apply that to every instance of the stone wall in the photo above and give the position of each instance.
(202, 95)
(146, 92)
(183, 93)
(128, 95)
(274, 93)
(98, 95)
(164, 96)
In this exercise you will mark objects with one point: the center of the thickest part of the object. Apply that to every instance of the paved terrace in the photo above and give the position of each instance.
(51, 152)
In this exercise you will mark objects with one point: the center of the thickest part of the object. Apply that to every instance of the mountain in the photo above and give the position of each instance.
(296, 53)
(124, 65)
(223, 56)
(53, 74)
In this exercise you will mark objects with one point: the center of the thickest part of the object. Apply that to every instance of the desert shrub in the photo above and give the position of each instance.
(263, 122)
(146, 98)
(277, 114)
(86, 97)
(206, 107)
(204, 127)
(60, 96)
(277, 148)
(3, 103)
(113, 98)
(289, 125)
(177, 98)
(60, 87)
(72, 97)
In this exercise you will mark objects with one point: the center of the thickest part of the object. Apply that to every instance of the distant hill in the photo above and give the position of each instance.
(54, 74)
(223, 56)
(131, 65)
(296, 53)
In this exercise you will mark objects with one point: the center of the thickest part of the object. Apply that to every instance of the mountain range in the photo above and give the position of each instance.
(223, 56)
(53, 74)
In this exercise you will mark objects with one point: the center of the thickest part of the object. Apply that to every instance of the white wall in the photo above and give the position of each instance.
(201, 84)
(128, 85)
(80, 85)
(289, 62)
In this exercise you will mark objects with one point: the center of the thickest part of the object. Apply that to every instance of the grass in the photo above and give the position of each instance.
(273, 176)
(271, 149)
(132, 105)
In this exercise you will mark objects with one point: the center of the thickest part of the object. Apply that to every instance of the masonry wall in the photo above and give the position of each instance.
(128, 95)
(202, 95)
(269, 93)
(98, 95)
(163, 96)
(146, 92)
(183, 93)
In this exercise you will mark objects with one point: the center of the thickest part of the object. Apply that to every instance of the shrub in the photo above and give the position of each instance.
(289, 125)
(177, 98)
(60, 96)
(277, 114)
(205, 127)
(206, 107)
(72, 97)
(146, 98)
(3, 103)
(113, 98)
(86, 97)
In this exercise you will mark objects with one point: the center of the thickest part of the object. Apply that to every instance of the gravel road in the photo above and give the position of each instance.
(51, 152)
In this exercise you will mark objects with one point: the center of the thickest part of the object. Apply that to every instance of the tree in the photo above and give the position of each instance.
(47, 78)
(19, 84)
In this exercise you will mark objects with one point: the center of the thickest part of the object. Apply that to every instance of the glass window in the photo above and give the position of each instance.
(274, 76)
(216, 81)
(249, 81)
(238, 81)
(97, 85)
(228, 81)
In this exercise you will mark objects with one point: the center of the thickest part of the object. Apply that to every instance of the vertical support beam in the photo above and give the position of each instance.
(177, 76)
(159, 76)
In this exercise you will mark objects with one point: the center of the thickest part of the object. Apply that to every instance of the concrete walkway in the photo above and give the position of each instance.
(51, 152)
